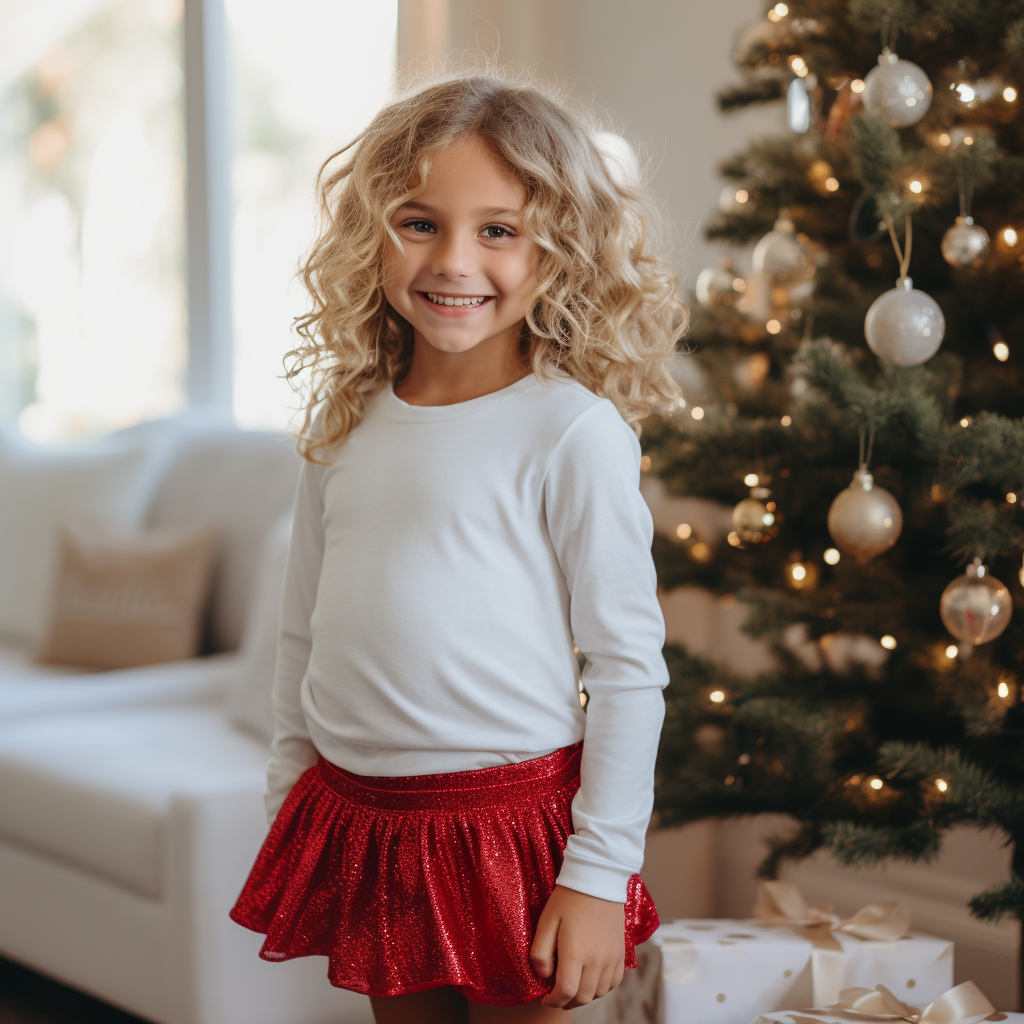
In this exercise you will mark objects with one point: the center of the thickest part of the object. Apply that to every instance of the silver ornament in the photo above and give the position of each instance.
(720, 285)
(798, 106)
(783, 258)
(864, 520)
(976, 607)
(903, 325)
(752, 520)
(965, 244)
(897, 91)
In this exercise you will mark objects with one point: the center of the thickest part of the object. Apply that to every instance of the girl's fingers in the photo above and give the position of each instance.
(542, 952)
(567, 982)
(607, 981)
(586, 991)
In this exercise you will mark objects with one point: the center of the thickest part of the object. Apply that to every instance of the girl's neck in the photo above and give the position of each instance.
(444, 378)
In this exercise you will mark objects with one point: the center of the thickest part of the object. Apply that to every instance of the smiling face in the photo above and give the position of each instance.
(468, 269)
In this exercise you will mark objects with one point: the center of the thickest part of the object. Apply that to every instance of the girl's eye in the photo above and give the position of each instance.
(497, 231)
(419, 226)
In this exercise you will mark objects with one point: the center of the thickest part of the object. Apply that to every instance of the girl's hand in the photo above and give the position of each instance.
(583, 936)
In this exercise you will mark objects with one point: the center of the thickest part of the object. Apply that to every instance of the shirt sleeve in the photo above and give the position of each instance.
(602, 531)
(292, 751)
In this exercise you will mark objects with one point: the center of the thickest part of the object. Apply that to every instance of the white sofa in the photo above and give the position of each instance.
(131, 800)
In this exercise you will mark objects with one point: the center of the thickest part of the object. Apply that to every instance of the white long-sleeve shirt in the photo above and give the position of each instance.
(440, 569)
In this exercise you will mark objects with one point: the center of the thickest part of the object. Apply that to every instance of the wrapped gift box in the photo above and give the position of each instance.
(964, 1004)
(704, 971)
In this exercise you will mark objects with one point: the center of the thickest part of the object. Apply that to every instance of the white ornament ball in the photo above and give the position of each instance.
(720, 285)
(897, 91)
(965, 244)
(903, 325)
(783, 258)
(864, 520)
(976, 607)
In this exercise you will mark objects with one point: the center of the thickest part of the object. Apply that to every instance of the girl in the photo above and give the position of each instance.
(487, 323)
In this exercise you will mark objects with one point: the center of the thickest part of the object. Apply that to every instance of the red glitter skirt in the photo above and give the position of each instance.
(413, 882)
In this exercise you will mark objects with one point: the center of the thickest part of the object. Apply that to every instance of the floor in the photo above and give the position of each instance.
(30, 998)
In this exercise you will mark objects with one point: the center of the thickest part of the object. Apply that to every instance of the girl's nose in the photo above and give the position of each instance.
(453, 256)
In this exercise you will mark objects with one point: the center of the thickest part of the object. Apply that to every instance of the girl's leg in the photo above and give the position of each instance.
(526, 1013)
(433, 1006)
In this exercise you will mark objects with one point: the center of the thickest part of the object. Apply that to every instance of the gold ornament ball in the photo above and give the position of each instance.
(752, 520)
(976, 607)
(864, 520)
(720, 285)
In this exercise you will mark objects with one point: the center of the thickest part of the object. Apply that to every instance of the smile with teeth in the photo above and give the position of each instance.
(453, 300)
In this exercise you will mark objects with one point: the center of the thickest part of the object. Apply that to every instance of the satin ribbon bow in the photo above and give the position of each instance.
(964, 1004)
(783, 903)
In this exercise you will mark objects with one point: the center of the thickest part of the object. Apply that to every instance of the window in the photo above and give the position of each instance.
(92, 293)
(306, 77)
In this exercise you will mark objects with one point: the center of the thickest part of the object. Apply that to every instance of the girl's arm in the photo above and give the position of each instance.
(292, 750)
(602, 530)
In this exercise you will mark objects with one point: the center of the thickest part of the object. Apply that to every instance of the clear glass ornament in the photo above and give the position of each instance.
(976, 607)
(720, 285)
(782, 258)
(752, 519)
(965, 244)
(864, 520)
(903, 325)
(897, 91)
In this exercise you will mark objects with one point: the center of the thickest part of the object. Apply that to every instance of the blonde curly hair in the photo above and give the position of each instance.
(605, 310)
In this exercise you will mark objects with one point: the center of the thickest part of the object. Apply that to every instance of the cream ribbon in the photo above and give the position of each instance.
(964, 1004)
(783, 903)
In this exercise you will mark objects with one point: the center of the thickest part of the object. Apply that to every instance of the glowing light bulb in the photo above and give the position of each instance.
(1003, 690)
(798, 571)
(832, 184)
(1001, 351)
(717, 696)
(876, 783)
(734, 539)
(857, 85)
(944, 139)
(739, 285)
(968, 140)
(683, 531)
(941, 785)
(697, 412)
(645, 462)
(965, 421)
(888, 642)
(750, 479)
(781, 10)
(1011, 497)
(1009, 236)
(965, 92)
(951, 651)
(773, 327)
(915, 187)
(831, 555)
(786, 421)
(1009, 94)
(742, 195)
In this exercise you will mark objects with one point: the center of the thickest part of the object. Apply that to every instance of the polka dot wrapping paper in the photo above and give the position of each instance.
(708, 971)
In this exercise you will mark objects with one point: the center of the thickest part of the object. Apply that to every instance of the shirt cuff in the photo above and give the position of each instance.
(595, 879)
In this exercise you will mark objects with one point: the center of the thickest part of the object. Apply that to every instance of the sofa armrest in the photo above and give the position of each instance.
(213, 838)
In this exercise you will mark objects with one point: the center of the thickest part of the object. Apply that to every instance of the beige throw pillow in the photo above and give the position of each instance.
(121, 597)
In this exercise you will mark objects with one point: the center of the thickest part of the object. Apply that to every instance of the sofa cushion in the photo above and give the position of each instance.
(122, 598)
(249, 703)
(240, 480)
(29, 689)
(94, 790)
(39, 485)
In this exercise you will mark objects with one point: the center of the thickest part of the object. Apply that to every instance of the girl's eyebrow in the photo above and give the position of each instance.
(489, 211)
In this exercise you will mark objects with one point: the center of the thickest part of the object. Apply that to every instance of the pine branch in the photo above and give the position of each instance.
(999, 901)
(854, 844)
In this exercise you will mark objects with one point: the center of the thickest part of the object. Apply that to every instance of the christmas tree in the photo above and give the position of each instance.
(858, 399)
